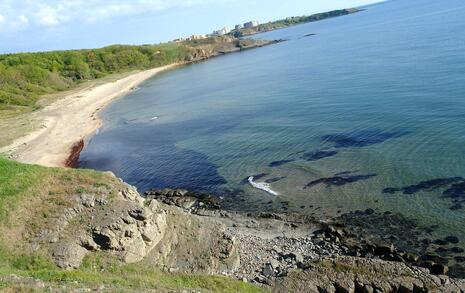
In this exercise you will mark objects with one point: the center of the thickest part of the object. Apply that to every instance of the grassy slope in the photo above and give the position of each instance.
(31, 195)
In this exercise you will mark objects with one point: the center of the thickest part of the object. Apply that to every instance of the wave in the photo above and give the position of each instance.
(262, 186)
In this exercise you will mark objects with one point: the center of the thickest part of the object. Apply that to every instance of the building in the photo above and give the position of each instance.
(221, 32)
(251, 24)
(197, 37)
(239, 27)
(179, 40)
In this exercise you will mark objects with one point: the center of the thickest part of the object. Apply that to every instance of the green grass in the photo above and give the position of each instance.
(120, 276)
(31, 195)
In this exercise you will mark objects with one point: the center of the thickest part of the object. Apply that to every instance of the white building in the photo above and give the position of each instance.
(222, 31)
(197, 37)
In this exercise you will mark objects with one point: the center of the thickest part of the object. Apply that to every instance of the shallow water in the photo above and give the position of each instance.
(374, 102)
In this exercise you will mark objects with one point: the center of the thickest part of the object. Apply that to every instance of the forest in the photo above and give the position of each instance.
(25, 77)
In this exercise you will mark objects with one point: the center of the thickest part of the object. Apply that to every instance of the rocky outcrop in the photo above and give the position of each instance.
(351, 274)
(127, 226)
(181, 231)
(224, 45)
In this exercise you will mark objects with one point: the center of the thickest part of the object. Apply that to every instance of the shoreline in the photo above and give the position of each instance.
(69, 122)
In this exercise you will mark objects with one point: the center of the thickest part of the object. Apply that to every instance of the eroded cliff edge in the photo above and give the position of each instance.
(182, 232)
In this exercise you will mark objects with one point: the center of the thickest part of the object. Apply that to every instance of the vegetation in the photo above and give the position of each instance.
(25, 77)
(290, 21)
(32, 195)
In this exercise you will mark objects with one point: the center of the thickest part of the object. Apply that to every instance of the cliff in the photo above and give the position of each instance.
(71, 230)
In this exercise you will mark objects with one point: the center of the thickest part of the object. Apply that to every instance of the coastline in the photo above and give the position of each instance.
(70, 121)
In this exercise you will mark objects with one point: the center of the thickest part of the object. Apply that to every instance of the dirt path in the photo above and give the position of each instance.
(70, 120)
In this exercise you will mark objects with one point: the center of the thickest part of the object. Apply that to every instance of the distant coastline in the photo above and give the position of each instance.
(291, 21)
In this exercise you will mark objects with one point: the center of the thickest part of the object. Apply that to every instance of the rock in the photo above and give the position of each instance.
(297, 257)
(436, 268)
(87, 200)
(363, 288)
(138, 214)
(268, 271)
(405, 285)
(441, 242)
(452, 239)
(69, 256)
(384, 249)
(275, 264)
(444, 279)
(88, 243)
(327, 288)
(345, 286)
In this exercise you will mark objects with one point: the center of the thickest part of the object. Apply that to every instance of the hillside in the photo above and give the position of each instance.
(43, 210)
(25, 77)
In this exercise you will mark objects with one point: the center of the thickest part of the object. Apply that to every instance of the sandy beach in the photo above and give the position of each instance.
(70, 121)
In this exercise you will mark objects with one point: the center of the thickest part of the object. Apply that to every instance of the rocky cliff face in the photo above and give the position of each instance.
(126, 227)
(179, 231)
(225, 45)
(131, 229)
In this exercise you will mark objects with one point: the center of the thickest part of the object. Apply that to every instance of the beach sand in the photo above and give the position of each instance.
(71, 120)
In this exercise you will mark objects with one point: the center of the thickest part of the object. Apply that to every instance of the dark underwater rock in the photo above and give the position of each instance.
(452, 239)
(457, 250)
(318, 155)
(362, 138)
(339, 180)
(441, 242)
(457, 190)
(279, 163)
(429, 185)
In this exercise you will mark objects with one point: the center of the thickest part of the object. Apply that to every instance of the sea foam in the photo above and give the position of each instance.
(262, 186)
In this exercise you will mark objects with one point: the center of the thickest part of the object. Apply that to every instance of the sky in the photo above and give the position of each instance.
(44, 25)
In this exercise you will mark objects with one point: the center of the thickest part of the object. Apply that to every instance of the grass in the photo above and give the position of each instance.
(31, 196)
(121, 277)
(16, 121)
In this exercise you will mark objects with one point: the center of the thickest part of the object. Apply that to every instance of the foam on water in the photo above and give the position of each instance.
(262, 186)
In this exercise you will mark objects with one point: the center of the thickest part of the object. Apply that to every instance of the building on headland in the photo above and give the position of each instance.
(197, 37)
(251, 24)
(239, 27)
(179, 40)
(191, 38)
(221, 32)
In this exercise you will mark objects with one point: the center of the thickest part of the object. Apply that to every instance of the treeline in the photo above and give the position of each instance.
(25, 77)
(290, 21)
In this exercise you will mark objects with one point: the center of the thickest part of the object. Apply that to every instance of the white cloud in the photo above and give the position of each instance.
(47, 16)
(51, 13)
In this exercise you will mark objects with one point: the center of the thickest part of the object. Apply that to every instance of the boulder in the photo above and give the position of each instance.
(69, 256)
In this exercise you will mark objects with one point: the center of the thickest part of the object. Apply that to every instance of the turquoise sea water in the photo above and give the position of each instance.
(377, 97)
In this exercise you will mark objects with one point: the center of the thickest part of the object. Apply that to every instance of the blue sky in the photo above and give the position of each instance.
(39, 25)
